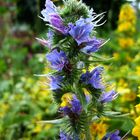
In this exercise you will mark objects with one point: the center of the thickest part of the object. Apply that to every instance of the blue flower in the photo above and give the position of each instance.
(51, 15)
(64, 136)
(93, 78)
(81, 30)
(86, 77)
(88, 98)
(55, 82)
(57, 59)
(66, 110)
(50, 9)
(47, 42)
(74, 107)
(50, 35)
(57, 22)
(108, 96)
(112, 136)
(93, 45)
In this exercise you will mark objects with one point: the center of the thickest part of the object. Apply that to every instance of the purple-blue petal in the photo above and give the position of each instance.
(57, 59)
(112, 136)
(85, 77)
(64, 136)
(93, 78)
(76, 105)
(108, 96)
(74, 108)
(93, 45)
(88, 98)
(57, 22)
(51, 15)
(96, 79)
(66, 110)
(55, 82)
(44, 42)
(50, 9)
(81, 31)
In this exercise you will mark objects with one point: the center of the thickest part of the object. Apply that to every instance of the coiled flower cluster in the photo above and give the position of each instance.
(71, 42)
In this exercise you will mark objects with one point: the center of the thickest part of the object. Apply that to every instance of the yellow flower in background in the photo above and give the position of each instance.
(116, 56)
(48, 126)
(38, 128)
(128, 58)
(128, 97)
(122, 83)
(126, 42)
(125, 92)
(138, 70)
(126, 10)
(137, 108)
(4, 108)
(137, 121)
(138, 91)
(127, 19)
(98, 130)
(136, 129)
(126, 26)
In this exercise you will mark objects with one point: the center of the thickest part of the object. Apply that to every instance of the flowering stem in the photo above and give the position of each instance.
(88, 137)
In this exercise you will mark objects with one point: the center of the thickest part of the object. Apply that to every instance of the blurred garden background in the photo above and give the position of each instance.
(24, 97)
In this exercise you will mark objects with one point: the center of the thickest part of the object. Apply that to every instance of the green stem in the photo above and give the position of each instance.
(88, 137)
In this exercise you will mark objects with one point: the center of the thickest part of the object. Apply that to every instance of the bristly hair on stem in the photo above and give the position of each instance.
(73, 10)
(79, 92)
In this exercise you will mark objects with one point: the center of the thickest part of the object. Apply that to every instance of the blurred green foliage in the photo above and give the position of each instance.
(23, 100)
(124, 68)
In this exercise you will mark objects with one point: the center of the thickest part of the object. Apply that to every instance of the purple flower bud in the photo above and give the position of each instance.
(43, 42)
(47, 42)
(96, 79)
(66, 110)
(93, 78)
(55, 82)
(64, 136)
(88, 98)
(108, 96)
(112, 136)
(57, 22)
(74, 108)
(50, 14)
(92, 45)
(76, 105)
(50, 9)
(86, 77)
(57, 59)
(81, 31)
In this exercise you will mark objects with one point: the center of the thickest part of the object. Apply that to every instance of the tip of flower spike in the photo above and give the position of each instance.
(77, 8)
